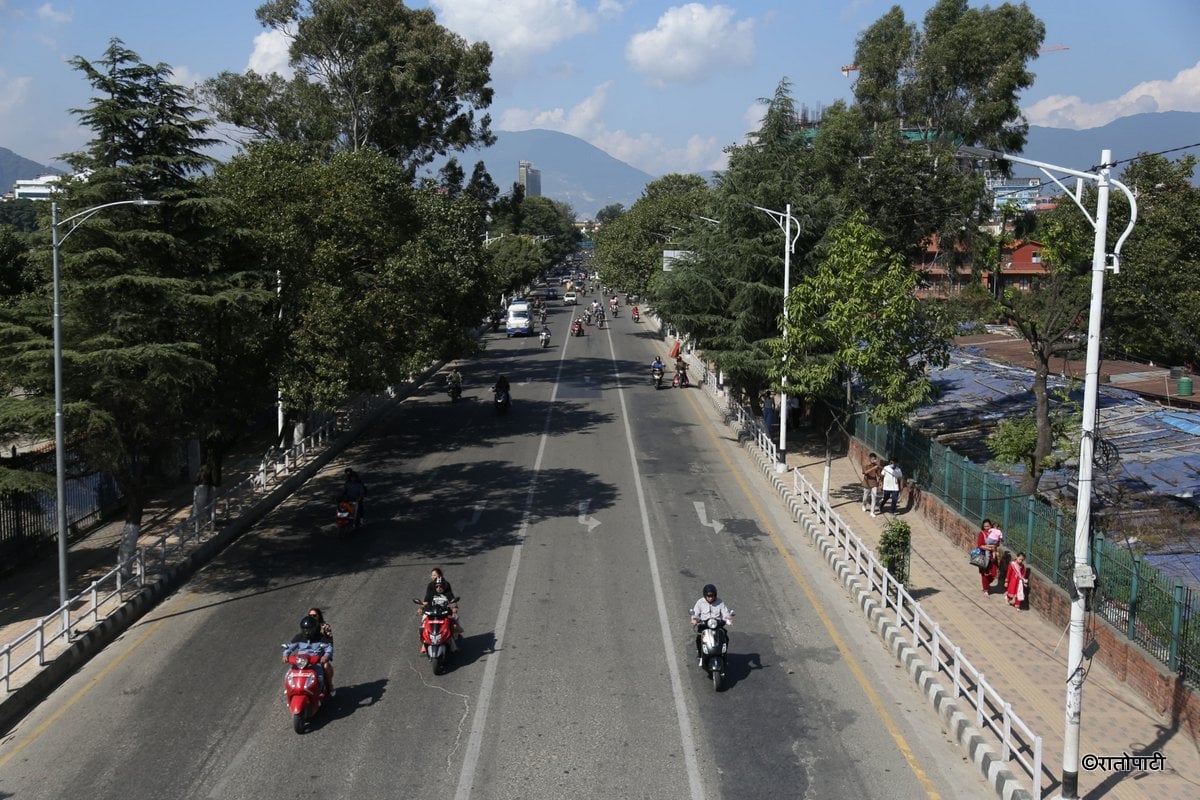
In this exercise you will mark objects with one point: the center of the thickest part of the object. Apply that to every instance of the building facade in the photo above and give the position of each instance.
(530, 179)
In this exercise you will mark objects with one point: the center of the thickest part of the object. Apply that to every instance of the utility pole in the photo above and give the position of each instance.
(1083, 578)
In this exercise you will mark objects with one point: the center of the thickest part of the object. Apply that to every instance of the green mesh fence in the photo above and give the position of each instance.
(1160, 614)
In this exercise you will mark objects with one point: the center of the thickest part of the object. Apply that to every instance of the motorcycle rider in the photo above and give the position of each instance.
(657, 365)
(709, 606)
(636, 314)
(311, 642)
(600, 318)
(545, 331)
(501, 386)
(681, 377)
(439, 593)
(354, 491)
(454, 380)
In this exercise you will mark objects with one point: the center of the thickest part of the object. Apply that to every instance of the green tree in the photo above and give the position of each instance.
(16, 276)
(729, 295)
(369, 73)
(133, 279)
(856, 318)
(610, 213)
(1152, 306)
(21, 215)
(629, 247)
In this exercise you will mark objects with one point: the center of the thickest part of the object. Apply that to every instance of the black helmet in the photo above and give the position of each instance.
(709, 589)
(309, 626)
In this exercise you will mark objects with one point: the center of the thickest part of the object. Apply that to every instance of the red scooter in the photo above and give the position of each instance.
(577, 328)
(347, 517)
(637, 317)
(681, 379)
(302, 688)
(437, 634)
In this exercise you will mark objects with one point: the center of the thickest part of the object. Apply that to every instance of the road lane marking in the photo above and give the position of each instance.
(475, 515)
(687, 741)
(839, 642)
(702, 513)
(585, 518)
(466, 778)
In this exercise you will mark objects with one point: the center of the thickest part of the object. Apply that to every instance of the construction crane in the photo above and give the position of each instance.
(1050, 48)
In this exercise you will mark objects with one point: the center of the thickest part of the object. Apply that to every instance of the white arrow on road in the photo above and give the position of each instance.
(716, 524)
(463, 523)
(584, 518)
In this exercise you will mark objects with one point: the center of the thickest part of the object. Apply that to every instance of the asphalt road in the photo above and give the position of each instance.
(578, 529)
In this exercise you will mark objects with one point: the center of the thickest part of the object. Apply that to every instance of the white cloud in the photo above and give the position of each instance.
(1181, 93)
(518, 28)
(271, 53)
(645, 151)
(690, 43)
(185, 76)
(46, 12)
(13, 92)
(754, 116)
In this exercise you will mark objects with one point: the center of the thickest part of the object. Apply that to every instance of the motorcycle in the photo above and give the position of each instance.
(656, 375)
(681, 379)
(577, 328)
(347, 517)
(542, 317)
(503, 401)
(637, 317)
(714, 644)
(613, 308)
(587, 317)
(302, 688)
(437, 635)
(545, 339)
(455, 392)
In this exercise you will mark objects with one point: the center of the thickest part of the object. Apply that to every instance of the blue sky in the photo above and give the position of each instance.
(664, 86)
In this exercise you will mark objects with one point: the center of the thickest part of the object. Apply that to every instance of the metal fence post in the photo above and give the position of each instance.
(1058, 526)
(1176, 627)
(962, 498)
(1131, 628)
(1029, 507)
(1007, 505)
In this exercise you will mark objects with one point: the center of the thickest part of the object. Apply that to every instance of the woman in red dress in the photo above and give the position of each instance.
(988, 540)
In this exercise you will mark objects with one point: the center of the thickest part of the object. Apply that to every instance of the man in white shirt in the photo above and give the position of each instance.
(709, 606)
(893, 483)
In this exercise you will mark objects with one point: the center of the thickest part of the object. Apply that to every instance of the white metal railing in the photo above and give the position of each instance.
(992, 712)
(53, 633)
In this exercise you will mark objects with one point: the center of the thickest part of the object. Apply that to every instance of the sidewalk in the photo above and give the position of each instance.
(30, 592)
(1023, 655)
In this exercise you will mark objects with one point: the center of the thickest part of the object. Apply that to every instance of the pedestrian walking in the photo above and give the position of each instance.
(893, 483)
(870, 482)
(768, 411)
(793, 410)
(1016, 582)
(988, 540)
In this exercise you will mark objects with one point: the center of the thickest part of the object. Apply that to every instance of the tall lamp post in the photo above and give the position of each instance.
(784, 219)
(1082, 576)
(60, 445)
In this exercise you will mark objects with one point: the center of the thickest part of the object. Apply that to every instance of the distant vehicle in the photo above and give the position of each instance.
(520, 320)
(570, 299)
(551, 293)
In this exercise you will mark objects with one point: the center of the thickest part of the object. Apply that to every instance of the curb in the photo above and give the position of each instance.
(982, 754)
(21, 701)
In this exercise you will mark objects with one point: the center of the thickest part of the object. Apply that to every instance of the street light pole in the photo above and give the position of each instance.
(784, 219)
(60, 446)
(1082, 575)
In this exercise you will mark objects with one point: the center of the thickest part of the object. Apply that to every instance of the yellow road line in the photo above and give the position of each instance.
(840, 643)
(57, 715)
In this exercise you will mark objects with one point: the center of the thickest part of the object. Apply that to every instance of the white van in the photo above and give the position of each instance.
(520, 320)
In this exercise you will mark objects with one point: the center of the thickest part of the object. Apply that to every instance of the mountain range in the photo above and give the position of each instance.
(588, 179)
